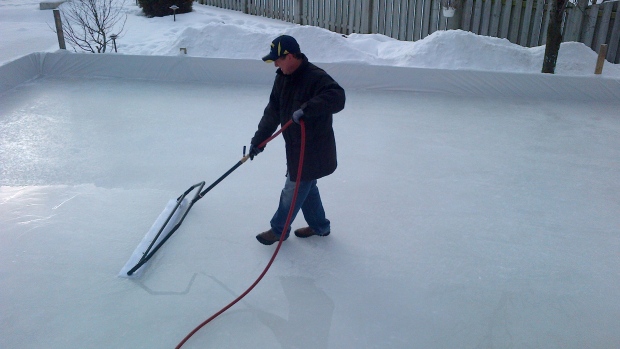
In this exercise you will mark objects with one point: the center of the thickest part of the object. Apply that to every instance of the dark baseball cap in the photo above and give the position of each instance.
(280, 47)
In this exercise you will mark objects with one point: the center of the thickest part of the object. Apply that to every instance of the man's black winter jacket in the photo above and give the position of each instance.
(315, 92)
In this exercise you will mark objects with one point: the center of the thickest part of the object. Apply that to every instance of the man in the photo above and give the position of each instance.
(301, 90)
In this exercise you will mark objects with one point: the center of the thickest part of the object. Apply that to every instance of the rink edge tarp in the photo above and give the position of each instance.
(349, 75)
(20, 70)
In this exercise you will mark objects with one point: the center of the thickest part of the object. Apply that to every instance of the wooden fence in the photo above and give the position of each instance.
(523, 22)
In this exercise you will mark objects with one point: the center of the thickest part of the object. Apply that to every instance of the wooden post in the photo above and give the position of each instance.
(61, 36)
(246, 6)
(300, 11)
(367, 17)
(602, 53)
(371, 9)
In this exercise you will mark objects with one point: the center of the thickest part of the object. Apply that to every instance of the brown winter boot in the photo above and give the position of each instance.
(268, 237)
(307, 232)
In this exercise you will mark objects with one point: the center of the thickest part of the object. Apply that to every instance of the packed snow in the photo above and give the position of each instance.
(457, 221)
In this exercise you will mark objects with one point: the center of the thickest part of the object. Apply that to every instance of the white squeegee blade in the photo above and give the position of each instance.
(150, 235)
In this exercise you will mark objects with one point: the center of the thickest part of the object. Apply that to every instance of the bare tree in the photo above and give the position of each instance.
(554, 35)
(554, 29)
(88, 24)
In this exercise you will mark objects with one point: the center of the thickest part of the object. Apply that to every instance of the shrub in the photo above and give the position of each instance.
(161, 8)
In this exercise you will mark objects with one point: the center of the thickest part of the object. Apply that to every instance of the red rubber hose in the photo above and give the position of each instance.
(275, 253)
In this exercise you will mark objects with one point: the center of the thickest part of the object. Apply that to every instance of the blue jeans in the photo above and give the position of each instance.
(308, 199)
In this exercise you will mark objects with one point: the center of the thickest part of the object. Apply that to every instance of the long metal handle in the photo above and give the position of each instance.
(243, 160)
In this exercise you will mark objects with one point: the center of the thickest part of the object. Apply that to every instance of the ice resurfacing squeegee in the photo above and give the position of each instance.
(172, 216)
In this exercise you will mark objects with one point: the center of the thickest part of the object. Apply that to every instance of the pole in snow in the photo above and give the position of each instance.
(113, 37)
(61, 36)
(174, 11)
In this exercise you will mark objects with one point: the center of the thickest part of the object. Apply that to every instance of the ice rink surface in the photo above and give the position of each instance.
(457, 222)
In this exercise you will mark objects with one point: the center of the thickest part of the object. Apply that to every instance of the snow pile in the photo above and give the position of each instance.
(218, 33)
